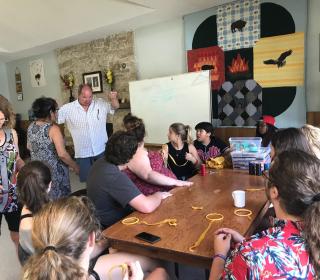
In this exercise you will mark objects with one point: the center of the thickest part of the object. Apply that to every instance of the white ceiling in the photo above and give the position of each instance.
(30, 27)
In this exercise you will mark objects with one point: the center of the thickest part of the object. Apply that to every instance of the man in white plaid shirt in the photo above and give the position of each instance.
(86, 120)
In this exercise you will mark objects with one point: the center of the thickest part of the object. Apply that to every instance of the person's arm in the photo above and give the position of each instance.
(99, 247)
(221, 248)
(147, 204)
(140, 165)
(19, 160)
(158, 274)
(193, 156)
(61, 115)
(57, 139)
(222, 244)
(114, 102)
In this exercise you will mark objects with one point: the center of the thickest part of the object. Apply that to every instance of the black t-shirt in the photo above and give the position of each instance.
(215, 148)
(110, 191)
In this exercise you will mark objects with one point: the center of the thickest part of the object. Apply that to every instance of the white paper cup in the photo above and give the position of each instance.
(239, 198)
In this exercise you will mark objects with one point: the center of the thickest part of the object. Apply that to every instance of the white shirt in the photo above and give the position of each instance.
(87, 128)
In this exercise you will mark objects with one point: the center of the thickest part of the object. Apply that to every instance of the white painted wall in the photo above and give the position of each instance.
(313, 59)
(30, 93)
(159, 50)
(4, 90)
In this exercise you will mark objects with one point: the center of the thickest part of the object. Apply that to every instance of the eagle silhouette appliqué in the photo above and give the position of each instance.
(281, 61)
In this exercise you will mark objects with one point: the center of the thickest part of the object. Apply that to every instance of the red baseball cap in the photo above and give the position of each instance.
(269, 119)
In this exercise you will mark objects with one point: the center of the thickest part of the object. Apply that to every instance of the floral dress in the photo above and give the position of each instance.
(43, 149)
(277, 253)
(8, 152)
(157, 164)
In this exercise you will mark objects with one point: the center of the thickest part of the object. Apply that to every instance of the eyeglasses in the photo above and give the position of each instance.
(3, 120)
(269, 181)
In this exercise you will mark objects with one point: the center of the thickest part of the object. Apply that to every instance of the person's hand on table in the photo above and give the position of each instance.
(180, 183)
(236, 237)
(164, 195)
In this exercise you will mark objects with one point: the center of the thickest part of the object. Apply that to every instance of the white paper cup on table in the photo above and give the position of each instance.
(239, 198)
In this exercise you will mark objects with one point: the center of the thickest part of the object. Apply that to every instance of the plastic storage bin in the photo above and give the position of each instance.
(241, 159)
(245, 144)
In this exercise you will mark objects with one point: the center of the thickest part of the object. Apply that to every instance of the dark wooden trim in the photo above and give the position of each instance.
(313, 118)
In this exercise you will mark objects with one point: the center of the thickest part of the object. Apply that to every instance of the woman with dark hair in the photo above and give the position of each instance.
(146, 169)
(265, 129)
(290, 249)
(10, 164)
(288, 139)
(45, 142)
(33, 184)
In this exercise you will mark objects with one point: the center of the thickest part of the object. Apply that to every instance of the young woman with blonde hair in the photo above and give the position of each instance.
(64, 233)
(180, 154)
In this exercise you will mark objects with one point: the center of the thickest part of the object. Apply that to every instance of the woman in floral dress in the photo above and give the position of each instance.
(46, 144)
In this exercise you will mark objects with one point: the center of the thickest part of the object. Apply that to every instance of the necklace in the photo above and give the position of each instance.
(174, 162)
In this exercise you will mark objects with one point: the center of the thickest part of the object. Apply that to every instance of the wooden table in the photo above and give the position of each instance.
(213, 192)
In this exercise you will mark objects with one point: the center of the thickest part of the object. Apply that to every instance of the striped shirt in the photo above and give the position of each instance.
(87, 128)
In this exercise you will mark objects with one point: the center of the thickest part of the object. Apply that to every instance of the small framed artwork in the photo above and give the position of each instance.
(94, 79)
(37, 73)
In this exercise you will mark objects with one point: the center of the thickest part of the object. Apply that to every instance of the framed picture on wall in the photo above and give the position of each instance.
(94, 79)
(37, 73)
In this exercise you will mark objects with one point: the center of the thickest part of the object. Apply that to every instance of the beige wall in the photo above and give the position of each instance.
(313, 59)
(4, 90)
(159, 50)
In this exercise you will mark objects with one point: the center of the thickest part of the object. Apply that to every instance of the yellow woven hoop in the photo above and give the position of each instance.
(210, 217)
(247, 214)
(130, 221)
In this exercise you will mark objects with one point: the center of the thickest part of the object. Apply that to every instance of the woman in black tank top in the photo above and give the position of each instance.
(182, 157)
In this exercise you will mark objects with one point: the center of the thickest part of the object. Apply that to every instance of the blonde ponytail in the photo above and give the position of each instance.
(60, 234)
(188, 133)
(52, 265)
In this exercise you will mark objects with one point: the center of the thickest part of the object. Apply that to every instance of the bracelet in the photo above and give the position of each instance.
(220, 256)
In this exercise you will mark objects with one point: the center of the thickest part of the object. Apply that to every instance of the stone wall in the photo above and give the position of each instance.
(114, 52)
